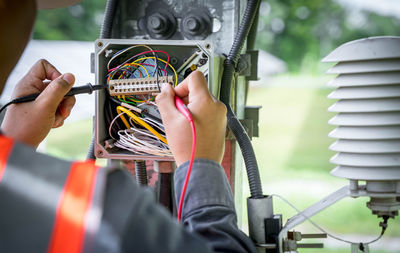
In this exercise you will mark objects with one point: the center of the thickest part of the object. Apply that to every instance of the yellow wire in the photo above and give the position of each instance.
(141, 122)
(147, 73)
(126, 123)
(152, 57)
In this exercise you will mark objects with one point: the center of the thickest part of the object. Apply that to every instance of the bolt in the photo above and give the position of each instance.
(157, 23)
(192, 24)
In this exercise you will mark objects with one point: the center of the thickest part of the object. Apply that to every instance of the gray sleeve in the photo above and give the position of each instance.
(133, 222)
(208, 208)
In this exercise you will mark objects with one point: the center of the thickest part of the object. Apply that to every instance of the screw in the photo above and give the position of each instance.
(202, 61)
(174, 61)
(99, 44)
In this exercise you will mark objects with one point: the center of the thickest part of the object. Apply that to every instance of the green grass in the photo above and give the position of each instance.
(292, 151)
(293, 156)
(70, 141)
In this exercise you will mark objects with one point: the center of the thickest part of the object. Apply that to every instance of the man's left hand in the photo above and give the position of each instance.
(30, 122)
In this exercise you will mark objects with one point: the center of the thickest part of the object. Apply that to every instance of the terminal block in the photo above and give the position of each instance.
(138, 86)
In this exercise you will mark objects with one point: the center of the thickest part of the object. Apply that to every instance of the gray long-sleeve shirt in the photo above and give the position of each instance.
(133, 222)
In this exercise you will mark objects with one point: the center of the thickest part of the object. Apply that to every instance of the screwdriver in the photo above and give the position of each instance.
(88, 88)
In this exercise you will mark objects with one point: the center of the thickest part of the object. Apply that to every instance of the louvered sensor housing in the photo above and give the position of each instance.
(367, 90)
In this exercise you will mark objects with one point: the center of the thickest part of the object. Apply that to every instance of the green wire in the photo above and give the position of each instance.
(128, 102)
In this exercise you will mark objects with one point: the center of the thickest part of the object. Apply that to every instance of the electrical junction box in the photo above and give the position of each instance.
(133, 71)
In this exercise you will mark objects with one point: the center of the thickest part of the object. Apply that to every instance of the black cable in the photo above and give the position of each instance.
(141, 173)
(109, 13)
(90, 155)
(105, 33)
(141, 111)
(5, 106)
(156, 71)
(84, 89)
(234, 124)
(165, 190)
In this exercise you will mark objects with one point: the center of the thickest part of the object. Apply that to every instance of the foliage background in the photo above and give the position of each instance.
(299, 32)
(293, 145)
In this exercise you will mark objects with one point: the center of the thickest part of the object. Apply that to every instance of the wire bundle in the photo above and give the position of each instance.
(142, 133)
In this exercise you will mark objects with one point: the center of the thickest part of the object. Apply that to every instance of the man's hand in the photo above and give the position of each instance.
(30, 122)
(209, 118)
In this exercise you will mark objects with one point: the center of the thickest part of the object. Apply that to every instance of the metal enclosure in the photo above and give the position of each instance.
(180, 52)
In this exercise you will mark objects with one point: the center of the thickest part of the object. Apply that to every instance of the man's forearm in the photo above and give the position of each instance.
(208, 207)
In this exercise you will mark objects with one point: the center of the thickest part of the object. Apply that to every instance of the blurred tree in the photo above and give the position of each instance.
(78, 22)
(301, 32)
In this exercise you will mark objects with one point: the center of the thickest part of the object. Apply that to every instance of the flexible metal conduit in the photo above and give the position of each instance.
(226, 84)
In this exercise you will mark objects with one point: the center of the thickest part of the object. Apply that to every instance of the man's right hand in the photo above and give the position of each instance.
(209, 117)
(30, 123)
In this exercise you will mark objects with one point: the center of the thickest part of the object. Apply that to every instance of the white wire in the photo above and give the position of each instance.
(142, 141)
(319, 227)
(112, 123)
(125, 50)
(154, 123)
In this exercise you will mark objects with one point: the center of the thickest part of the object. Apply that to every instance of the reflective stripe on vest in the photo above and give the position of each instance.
(73, 208)
(48, 205)
(6, 145)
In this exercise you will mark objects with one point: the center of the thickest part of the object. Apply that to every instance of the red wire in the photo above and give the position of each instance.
(183, 109)
(189, 170)
(146, 52)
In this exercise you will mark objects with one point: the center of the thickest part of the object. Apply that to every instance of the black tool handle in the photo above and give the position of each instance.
(88, 88)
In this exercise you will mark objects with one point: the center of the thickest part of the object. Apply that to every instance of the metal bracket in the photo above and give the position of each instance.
(248, 64)
(248, 127)
(352, 190)
(311, 211)
(253, 65)
(252, 113)
(355, 248)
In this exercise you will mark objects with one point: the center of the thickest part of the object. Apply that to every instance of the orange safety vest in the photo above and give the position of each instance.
(65, 202)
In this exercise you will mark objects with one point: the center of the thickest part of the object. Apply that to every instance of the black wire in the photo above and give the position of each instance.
(5, 106)
(156, 71)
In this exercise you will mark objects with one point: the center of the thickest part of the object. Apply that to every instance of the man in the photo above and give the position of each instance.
(58, 206)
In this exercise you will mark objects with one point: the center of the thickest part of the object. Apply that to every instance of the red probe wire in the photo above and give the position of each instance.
(184, 110)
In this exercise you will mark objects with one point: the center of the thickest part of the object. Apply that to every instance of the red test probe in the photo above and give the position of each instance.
(184, 110)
